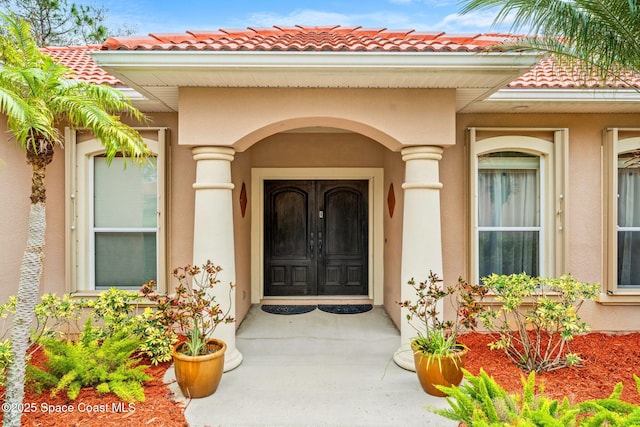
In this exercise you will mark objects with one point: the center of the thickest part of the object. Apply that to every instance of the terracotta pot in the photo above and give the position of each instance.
(199, 376)
(444, 370)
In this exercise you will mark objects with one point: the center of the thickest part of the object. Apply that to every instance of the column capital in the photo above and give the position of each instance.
(213, 153)
(422, 152)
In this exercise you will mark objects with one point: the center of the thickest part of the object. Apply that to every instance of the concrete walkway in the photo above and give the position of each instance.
(316, 369)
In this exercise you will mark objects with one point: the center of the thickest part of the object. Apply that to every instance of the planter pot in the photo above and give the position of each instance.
(444, 370)
(199, 376)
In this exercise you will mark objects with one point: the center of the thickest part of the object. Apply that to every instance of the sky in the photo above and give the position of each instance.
(171, 16)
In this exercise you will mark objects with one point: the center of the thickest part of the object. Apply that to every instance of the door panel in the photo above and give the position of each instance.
(342, 268)
(289, 265)
(316, 238)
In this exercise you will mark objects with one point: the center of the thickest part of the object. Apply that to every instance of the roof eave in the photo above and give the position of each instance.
(566, 95)
(158, 74)
(154, 59)
(559, 101)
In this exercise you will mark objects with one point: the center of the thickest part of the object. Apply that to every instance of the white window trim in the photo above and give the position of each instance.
(553, 195)
(78, 188)
(612, 147)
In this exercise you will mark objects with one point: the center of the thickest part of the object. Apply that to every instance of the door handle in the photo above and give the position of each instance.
(311, 245)
(319, 244)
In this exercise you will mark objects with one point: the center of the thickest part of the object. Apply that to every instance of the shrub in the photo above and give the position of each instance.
(106, 364)
(436, 336)
(115, 308)
(6, 357)
(193, 308)
(535, 318)
(480, 402)
(57, 317)
(54, 317)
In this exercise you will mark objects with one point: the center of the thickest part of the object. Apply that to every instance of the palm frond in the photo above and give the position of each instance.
(603, 36)
(18, 46)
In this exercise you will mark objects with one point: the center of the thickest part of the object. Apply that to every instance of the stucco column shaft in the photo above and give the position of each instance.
(421, 233)
(213, 233)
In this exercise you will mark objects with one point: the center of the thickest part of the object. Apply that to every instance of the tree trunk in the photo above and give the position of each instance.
(28, 288)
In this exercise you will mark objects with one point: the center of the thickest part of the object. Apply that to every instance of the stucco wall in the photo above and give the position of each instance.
(243, 116)
(241, 174)
(584, 202)
(15, 189)
(394, 174)
(15, 182)
(304, 149)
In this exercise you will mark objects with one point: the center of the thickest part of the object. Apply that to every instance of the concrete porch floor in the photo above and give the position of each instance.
(316, 369)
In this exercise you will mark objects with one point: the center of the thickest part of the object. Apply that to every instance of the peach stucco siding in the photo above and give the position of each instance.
(374, 129)
(584, 201)
(241, 117)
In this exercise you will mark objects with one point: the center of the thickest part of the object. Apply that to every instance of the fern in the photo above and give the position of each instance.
(129, 391)
(480, 401)
(105, 364)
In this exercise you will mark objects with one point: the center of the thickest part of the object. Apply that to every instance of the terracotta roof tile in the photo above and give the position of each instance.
(307, 38)
(78, 59)
(548, 74)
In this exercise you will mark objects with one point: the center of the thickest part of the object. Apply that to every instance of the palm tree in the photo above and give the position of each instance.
(601, 36)
(38, 96)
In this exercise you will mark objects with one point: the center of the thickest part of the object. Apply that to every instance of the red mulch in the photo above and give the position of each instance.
(104, 410)
(608, 359)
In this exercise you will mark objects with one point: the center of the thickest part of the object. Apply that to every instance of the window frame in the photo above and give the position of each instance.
(79, 179)
(553, 207)
(615, 144)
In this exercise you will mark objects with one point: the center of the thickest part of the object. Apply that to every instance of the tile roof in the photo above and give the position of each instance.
(302, 38)
(78, 59)
(548, 74)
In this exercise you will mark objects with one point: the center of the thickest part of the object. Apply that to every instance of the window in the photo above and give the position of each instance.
(517, 184)
(123, 223)
(117, 218)
(622, 215)
(628, 222)
(509, 223)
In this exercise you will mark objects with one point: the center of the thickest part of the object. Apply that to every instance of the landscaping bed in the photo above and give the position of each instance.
(105, 410)
(608, 359)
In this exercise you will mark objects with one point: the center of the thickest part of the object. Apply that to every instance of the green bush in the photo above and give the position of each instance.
(535, 318)
(55, 317)
(114, 309)
(106, 364)
(481, 402)
(120, 328)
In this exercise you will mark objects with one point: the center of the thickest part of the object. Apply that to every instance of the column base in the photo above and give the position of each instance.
(404, 358)
(232, 359)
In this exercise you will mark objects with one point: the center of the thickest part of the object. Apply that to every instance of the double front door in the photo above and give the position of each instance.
(316, 237)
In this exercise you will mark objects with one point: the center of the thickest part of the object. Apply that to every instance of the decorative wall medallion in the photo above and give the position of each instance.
(391, 200)
(243, 199)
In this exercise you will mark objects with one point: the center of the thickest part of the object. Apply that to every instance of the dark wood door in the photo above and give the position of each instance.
(316, 238)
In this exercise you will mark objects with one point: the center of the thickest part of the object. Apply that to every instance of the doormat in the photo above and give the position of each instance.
(346, 308)
(288, 309)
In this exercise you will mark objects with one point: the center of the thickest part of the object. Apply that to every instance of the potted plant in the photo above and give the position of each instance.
(194, 312)
(438, 356)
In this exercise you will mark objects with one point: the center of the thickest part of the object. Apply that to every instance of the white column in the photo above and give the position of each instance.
(213, 233)
(421, 233)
